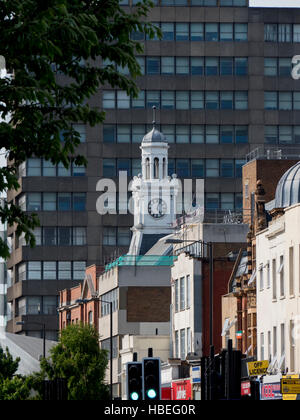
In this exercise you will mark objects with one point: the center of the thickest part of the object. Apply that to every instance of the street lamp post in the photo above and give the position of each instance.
(44, 332)
(81, 301)
(211, 277)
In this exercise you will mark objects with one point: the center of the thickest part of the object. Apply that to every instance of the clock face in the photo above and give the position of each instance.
(157, 208)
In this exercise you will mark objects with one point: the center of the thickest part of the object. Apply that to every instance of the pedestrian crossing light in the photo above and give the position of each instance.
(134, 381)
(151, 378)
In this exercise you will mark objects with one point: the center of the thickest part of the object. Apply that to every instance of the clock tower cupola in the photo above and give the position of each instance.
(154, 194)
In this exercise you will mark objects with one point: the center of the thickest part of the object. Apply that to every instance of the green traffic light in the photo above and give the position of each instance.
(134, 396)
(151, 393)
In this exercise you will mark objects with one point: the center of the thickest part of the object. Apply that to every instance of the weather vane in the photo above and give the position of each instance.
(154, 122)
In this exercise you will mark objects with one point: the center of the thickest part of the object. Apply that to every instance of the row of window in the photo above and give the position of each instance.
(105, 344)
(116, 236)
(276, 268)
(278, 66)
(200, 66)
(51, 270)
(236, 3)
(43, 167)
(176, 31)
(285, 101)
(282, 32)
(209, 134)
(184, 168)
(282, 134)
(105, 300)
(36, 305)
(57, 235)
(52, 201)
(270, 351)
(183, 343)
(182, 293)
(184, 99)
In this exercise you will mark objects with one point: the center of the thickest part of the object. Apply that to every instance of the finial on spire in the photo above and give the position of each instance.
(154, 116)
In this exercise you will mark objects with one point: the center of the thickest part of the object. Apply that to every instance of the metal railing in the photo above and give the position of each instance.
(274, 152)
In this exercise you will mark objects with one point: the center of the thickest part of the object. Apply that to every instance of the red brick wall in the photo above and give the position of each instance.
(222, 272)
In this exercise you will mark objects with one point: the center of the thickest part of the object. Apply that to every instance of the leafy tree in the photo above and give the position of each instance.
(78, 359)
(12, 387)
(54, 48)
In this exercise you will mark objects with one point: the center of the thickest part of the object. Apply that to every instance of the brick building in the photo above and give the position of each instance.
(260, 177)
(71, 311)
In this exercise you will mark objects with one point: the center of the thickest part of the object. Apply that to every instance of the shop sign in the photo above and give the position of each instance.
(245, 388)
(290, 386)
(270, 391)
(196, 377)
(258, 368)
(182, 390)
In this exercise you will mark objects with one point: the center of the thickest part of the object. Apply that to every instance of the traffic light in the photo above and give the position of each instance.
(134, 381)
(151, 378)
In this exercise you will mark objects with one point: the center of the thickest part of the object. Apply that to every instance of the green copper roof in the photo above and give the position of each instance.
(142, 260)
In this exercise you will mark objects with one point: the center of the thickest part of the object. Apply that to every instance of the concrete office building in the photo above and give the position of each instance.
(221, 81)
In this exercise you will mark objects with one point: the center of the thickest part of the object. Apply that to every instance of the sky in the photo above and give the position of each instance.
(274, 3)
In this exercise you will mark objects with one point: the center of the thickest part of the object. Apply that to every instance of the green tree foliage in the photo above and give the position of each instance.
(12, 386)
(54, 48)
(78, 359)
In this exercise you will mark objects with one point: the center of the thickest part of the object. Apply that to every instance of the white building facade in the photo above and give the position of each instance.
(278, 280)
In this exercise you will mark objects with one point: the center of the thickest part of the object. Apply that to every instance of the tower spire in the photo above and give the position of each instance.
(154, 115)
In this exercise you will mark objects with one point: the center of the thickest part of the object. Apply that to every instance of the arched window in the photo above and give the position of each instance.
(147, 168)
(90, 317)
(156, 168)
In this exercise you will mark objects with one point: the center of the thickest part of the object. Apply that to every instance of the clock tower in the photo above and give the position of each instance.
(154, 195)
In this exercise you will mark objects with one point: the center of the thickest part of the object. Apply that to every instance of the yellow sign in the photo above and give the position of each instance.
(258, 368)
(290, 386)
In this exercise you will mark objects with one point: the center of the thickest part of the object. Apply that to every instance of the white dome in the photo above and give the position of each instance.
(288, 188)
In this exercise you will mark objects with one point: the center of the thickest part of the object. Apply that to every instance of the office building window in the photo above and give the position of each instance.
(197, 31)
(153, 65)
(285, 101)
(182, 31)
(226, 66)
(271, 101)
(212, 168)
(167, 99)
(197, 134)
(109, 236)
(79, 270)
(271, 32)
(182, 168)
(123, 100)
(212, 134)
(34, 202)
(211, 66)
(226, 31)
(167, 65)
(34, 167)
(271, 134)
(49, 270)
(284, 32)
(182, 65)
(227, 201)
(49, 305)
(182, 344)
(182, 134)
(226, 100)
(108, 99)
(34, 270)
(270, 68)
(64, 201)
(212, 100)
(227, 168)
(197, 168)
(197, 66)
(49, 236)
(211, 32)
(167, 30)
(212, 201)
(182, 100)
(109, 133)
